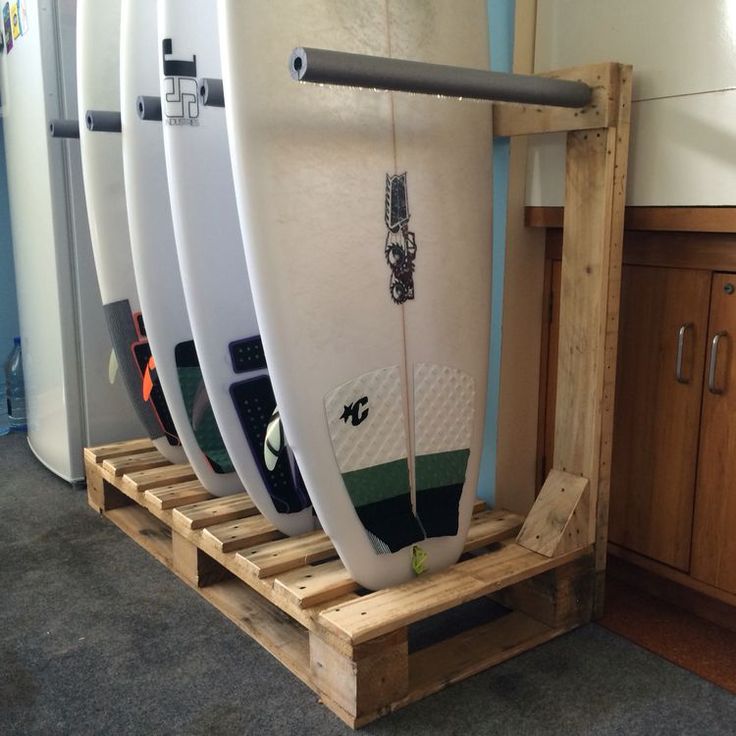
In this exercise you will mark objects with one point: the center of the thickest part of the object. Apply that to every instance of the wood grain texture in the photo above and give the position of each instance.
(511, 119)
(559, 520)
(141, 479)
(706, 251)
(589, 309)
(684, 219)
(120, 465)
(386, 610)
(657, 418)
(213, 511)
(234, 535)
(714, 542)
(179, 493)
(116, 449)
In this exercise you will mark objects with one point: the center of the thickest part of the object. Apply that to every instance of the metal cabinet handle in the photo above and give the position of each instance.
(713, 362)
(680, 351)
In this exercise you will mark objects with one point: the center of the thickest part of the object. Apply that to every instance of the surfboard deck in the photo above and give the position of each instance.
(175, 364)
(213, 268)
(98, 59)
(366, 221)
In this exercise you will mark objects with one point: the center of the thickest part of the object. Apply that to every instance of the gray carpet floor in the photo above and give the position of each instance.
(96, 637)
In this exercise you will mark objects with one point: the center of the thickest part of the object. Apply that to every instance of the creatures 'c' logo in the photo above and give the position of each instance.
(356, 412)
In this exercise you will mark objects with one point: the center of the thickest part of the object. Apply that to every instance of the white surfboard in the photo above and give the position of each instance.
(367, 228)
(154, 256)
(212, 264)
(98, 38)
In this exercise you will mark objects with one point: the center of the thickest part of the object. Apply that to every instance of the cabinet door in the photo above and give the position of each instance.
(664, 316)
(714, 537)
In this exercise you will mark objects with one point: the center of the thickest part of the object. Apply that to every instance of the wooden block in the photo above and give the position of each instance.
(488, 527)
(479, 505)
(559, 521)
(145, 529)
(366, 682)
(197, 568)
(512, 119)
(562, 597)
(386, 610)
(286, 554)
(141, 479)
(214, 511)
(116, 449)
(119, 466)
(178, 494)
(235, 535)
(313, 584)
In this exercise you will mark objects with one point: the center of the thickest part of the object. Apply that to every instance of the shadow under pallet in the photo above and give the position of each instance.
(365, 654)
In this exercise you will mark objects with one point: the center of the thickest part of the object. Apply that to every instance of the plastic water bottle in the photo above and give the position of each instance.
(4, 422)
(15, 389)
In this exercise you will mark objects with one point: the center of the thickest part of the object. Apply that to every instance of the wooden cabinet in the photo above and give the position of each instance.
(714, 537)
(673, 479)
(664, 317)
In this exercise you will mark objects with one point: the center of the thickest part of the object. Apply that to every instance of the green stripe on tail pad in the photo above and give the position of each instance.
(440, 469)
(377, 483)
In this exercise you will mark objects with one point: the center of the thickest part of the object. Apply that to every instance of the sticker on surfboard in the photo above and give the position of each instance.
(366, 422)
(181, 100)
(400, 248)
(365, 418)
(444, 409)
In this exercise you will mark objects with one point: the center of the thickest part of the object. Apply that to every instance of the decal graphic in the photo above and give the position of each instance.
(182, 89)
(15, 20)
(374, 460)
(7, 28)
(401, 248)
(354, 412)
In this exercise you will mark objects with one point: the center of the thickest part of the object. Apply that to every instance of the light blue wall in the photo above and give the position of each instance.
(8, 305)
(501, 36)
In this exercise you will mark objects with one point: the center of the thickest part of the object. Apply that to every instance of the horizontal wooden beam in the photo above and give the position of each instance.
(670, 219)
(512, 119)
(386, 610)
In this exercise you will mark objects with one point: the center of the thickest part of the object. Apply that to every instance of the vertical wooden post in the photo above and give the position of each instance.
(589, 309)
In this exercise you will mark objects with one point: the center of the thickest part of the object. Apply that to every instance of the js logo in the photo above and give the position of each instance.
(356, 412)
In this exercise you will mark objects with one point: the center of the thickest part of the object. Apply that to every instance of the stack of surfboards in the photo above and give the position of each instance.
(313, 263)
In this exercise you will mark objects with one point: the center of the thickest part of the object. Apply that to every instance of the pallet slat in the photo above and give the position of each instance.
(235, 535)
(141, 479)
(270, 559)
(115, 449)
(177, 494)
(120, 465)
(214, 511)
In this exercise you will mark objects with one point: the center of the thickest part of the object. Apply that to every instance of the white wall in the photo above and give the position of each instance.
(683, 138)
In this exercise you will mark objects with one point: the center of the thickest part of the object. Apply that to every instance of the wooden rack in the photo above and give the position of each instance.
(293, 595)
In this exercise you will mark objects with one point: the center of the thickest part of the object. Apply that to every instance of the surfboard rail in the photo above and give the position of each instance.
(368, 654)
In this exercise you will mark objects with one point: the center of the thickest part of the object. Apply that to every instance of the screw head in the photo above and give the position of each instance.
(729, 288)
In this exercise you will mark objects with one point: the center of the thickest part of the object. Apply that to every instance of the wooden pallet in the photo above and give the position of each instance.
(294, 596)
(296, 599)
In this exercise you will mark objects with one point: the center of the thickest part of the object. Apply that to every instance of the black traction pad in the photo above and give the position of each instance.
(255, 403)
(247, 355)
